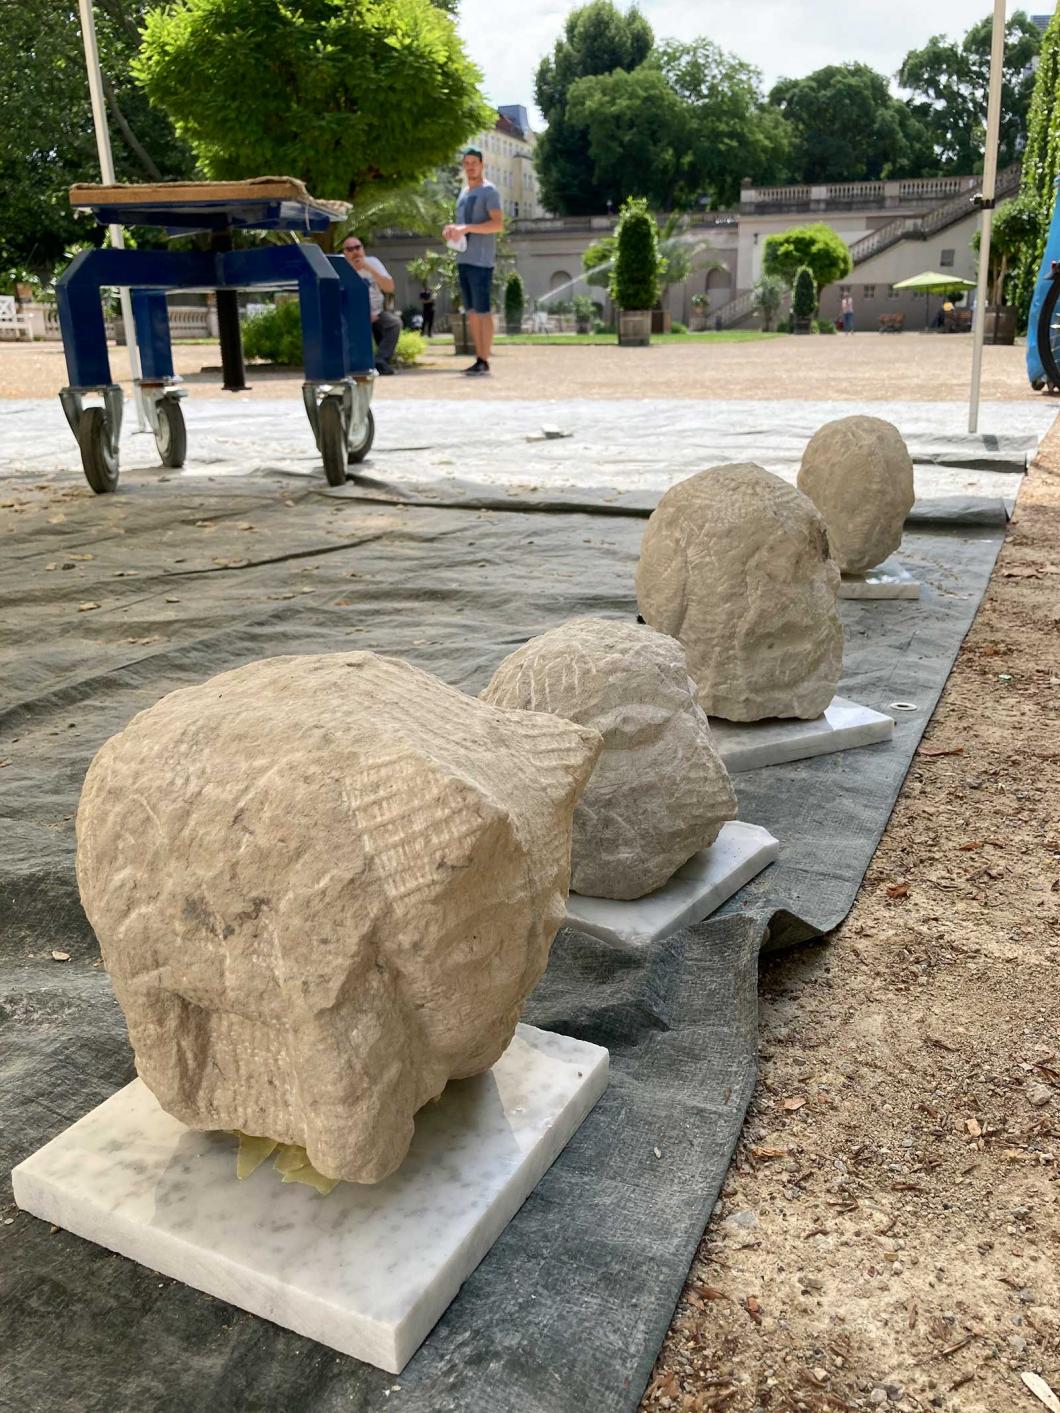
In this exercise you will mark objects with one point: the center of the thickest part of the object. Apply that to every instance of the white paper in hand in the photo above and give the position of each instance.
(459, 245)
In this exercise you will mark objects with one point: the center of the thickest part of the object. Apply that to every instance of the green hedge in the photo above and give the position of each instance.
(275, 336)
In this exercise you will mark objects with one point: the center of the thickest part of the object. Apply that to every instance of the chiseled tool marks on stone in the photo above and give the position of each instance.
(735, 565)
(859, 475)
(659, 792)
(323, 886)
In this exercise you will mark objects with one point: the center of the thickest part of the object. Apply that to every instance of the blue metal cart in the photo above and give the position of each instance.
(337, 345)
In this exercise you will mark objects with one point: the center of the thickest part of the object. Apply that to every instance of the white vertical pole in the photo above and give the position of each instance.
(106, 169)
(993, 127)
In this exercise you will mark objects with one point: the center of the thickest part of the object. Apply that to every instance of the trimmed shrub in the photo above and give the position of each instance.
(678, 328)
(824, 326)
(514, 302)
(635, 273)
(804, 294)
(275, 335)
(410, 348)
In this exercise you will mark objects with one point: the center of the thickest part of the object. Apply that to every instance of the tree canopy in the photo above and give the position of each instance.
(340, 93)
(948, 82)
(597, 39)
(47, 140)
(676, 123)
(847, 126)
(817, 247)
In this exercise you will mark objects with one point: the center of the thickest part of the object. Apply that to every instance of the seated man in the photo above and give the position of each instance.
(386, 326)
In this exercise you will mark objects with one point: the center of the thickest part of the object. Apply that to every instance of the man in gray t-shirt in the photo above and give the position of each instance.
(479, 220)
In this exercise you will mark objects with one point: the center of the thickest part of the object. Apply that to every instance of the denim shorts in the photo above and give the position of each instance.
(476, 282)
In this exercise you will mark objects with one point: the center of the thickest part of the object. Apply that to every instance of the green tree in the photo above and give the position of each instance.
(638, 137)
(948, 81)
(1014, 227)
(47, 141)
(596, 261)
(636, 272)
(847, 126)
(817, 247)
(597, 39)
(1041, 164)
(341, 93)
(768, 297)
(733, 133)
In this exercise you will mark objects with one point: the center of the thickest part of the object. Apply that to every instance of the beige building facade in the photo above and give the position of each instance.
(894, 229)
(508, 157)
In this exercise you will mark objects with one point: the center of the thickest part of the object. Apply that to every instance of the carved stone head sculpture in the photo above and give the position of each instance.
(735, 565)
(659, 791)
(859, 475)
(323, 887)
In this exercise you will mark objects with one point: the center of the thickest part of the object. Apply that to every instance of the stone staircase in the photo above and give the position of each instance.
(901, 228)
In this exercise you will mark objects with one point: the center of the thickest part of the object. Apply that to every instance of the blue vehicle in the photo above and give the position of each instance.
(338, 350)
(1043, 325)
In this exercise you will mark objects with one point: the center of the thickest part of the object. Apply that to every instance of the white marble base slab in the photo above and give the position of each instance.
(707, 880)
(367, 1270)
(889, 580)
(749, 745)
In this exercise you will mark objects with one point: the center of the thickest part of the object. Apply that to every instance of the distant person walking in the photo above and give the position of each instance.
(479, 220)
(427, 307)
(846, 309)
(386, 325)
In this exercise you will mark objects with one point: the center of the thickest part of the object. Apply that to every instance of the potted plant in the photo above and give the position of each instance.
(768, 297)
(700, 308)
(438, 271)
(584, 310)
(803, 301)
(635, 274)
(1014, 226)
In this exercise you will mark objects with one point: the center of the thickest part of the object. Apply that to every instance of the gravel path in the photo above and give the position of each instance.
(866, 367)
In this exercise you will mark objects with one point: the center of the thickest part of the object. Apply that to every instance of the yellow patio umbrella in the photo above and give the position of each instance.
(933, 282)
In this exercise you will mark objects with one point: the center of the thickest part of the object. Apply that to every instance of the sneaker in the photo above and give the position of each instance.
(384, 369)
(477, 368)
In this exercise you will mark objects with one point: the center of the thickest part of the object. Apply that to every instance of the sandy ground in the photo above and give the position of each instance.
(889, 1233)
(895, 367)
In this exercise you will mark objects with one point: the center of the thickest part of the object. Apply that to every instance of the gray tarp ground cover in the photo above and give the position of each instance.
(568, 1310)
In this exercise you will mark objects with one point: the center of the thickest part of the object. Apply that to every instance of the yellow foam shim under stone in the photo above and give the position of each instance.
(291, 1162)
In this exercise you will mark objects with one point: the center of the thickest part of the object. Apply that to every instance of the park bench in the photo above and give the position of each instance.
(958, 321)
(891, 323)
(12, 320)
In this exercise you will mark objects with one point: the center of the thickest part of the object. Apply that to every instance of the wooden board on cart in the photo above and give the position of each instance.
(185, 193)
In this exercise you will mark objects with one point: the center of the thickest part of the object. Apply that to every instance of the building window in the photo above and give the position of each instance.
(844, 290)
(893, 293)
(868, 291)
(515, 212)
(946, 258)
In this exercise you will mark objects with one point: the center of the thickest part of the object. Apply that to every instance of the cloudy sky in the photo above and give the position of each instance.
(784, 38)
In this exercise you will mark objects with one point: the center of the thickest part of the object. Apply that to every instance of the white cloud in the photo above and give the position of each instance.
(786, 38)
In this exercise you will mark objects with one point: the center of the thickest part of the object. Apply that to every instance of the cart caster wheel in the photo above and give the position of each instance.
(355, 454)
(171, 438)
(332, 441)
(100, 463)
